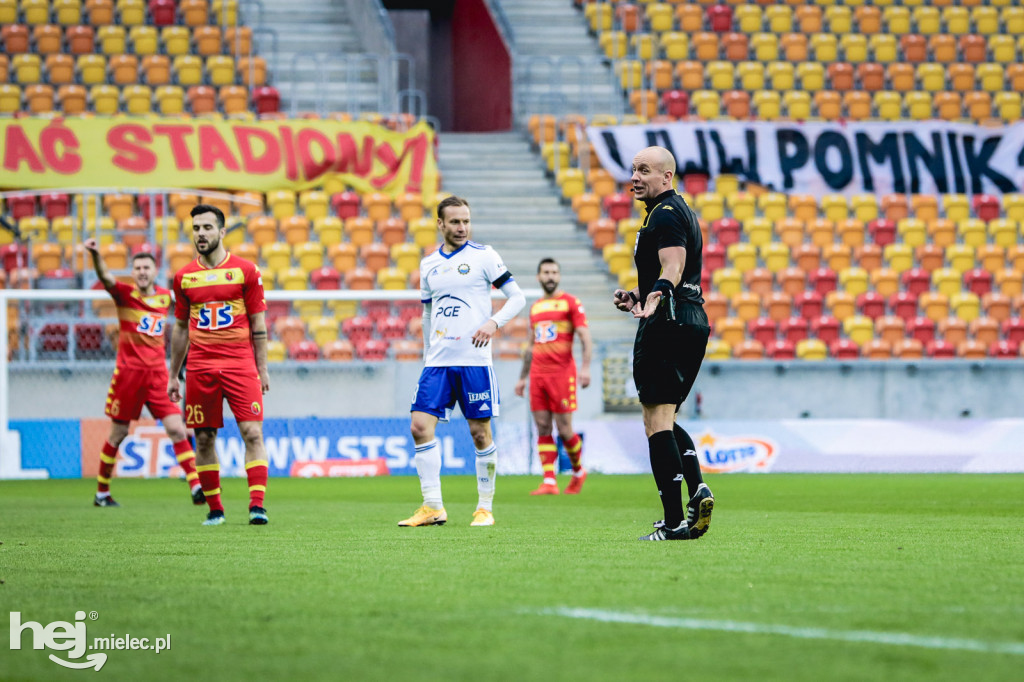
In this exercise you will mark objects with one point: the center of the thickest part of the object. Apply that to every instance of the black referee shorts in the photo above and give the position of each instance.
(667, 355)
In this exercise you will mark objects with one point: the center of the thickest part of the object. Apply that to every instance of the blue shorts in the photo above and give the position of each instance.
(473, 388)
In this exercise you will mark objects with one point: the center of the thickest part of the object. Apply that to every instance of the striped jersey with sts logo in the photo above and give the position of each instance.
(217, 303)
(142, 320)
(554, 322)
(457, 285)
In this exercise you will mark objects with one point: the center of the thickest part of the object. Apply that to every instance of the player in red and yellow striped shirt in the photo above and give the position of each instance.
(219, 311)
(548, 362)
(140, 374)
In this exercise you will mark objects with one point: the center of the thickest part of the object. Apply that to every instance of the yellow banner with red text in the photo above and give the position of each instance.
(258, 156)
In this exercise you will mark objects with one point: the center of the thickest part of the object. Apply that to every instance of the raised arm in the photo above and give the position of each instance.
(98, 265)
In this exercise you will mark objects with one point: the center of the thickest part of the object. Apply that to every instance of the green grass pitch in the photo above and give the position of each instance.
(801, 577)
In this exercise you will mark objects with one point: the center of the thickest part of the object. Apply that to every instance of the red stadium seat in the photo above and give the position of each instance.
(844, 349)
(904, 305)
(780, 350)
(822, 280)
(618, 206)
(357, 328)
(1004, 350)
(325, 278)
(304, 351)
(978, 281)
(922, 329)
(714, 256)
(794, 329)
(882, 231)
(162, 12)
(266, 100)
(372, 349)
(1013, 330)
(676, 103)
(871, 304)
(940, 349)
(809, 304)
(345, 204)
(726, 231)
(762, 329)
(391, 328)
(916, 281)
(986, 207)
(826, 328)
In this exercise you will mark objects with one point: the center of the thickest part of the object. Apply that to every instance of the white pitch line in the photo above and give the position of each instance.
(888, 638)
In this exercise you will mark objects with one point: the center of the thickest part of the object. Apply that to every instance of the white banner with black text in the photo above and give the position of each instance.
(916, 157)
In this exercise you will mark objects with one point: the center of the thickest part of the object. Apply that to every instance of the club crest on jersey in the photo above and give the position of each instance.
(229, 276)
(464, 268)
(255, 408)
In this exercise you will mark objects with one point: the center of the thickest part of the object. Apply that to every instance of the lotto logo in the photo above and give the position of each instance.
(151, 325)
(215, 316)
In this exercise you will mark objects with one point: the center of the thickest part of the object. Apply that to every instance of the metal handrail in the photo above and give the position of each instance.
(296, 59)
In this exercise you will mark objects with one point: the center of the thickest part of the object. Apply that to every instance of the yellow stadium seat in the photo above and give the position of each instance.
(631, 74)
(811, 349)
(972, 231)
(956, 207)
(751, 75)
(748, 18)
(743, 256)
(144, 40)
(780, 18)
(918, 105)
(68, 12)
(309, 255)
(675, 46)
(889, 105)
(1013, 206)
(960, 257)
(706, 103)
(926, 20)
(35, 11)
(956, 19)
(775, 256)
(1003, 49)
(1013, 19)
(138, 99)
(990, 77)
(224, 12)
(104, 99)
(812, 76)
(1009, 106)
(854, 47)
(932, 77)
(839, 18)
(722, 75)
(758, 230)
(859, 329)
(28, 68)
(281, 203)
(825, 47)
(659, 17)
(277, 256)
(392, 278)
(619, 257)
(797, 104)
(896, 19)
(628, 279)
(772, 205)
(965, 305)
(765, 46)
(710, 205)
(946, 281)
(912, 231)
(883, 48)
(782, 76)
(643, 45)
(899, 257)
(985, 19)
(855, 280)
(131, 12)
(834, 207)
(718, 350)
(176, 40)
(188, 69)
(170, 100)
(768, 104)
(220, 70)
(112, 40)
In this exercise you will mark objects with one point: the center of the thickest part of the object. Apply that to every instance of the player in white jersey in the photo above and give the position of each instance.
(455, 288)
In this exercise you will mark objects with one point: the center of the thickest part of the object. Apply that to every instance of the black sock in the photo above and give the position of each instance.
(691, 465)
(668, 475)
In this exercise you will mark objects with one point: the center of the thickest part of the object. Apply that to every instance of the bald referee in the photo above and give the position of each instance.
(670, 340)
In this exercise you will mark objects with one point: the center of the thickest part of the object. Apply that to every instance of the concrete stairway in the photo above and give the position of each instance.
(518, 210)
(558, 64)
(320, 31)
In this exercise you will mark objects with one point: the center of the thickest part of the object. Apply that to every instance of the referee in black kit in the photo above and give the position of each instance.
(670, 340)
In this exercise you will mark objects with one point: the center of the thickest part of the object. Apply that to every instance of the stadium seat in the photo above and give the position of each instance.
(101, 12)
(811, 349)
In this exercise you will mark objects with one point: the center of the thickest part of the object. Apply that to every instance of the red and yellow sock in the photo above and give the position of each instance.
(548, 456)
(574, 448)
(187, 460)
(256, 472)
(209, 478)
(108, 459)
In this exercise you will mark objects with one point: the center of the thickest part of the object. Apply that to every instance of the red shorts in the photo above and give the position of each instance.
(131, 388)
(205, 391)
(553, 391)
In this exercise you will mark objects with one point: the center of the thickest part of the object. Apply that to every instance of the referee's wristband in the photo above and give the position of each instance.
(633, 297)
(664, 286)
